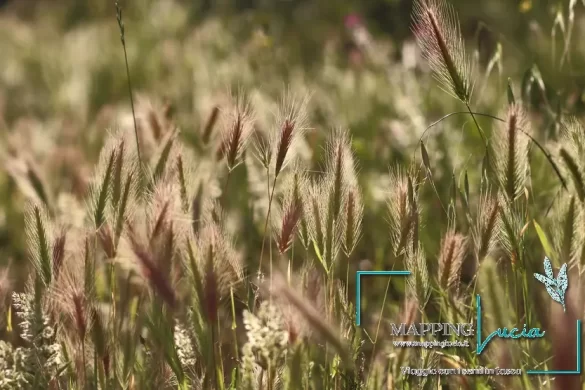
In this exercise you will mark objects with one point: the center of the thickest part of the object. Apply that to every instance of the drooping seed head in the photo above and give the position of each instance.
(437, 30)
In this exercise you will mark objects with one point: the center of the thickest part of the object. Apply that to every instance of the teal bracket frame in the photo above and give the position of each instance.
(564, 372)
(358, 290)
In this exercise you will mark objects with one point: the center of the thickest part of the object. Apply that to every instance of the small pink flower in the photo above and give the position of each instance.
(352, 21)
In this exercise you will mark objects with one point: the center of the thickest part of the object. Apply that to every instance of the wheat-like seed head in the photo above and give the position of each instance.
(487, 229)
(297, 187)
(69, 295)
(214, 244)
(151, 271)
(418, 284)
(40, 234)
(291, 123)
(453, 249)
(437, 30)
(325, 230)
(289, 218)
(101, 185)
(511, 153)
(340, 168)
(237, 129)
(572, 154)
(513, 221)
(403, 210)
(568, 236)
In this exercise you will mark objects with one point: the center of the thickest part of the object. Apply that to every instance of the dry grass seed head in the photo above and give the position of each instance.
(101, 187)
(511, 153)
(156, 274)
(237, 129)
(399, 208)
(437, 30)
(298, 187)
(40, 233)
(68, 295)
(353, 214)
(453, 249)
(568, 236)
(418, 285)
(487, 230)
(187, 174)
(164, 208)
(216, 245)
(291, 214)
(291, 123)
(340, 167)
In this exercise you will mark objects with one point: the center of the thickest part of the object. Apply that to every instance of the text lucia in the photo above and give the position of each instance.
(503, 333)
(465, 330)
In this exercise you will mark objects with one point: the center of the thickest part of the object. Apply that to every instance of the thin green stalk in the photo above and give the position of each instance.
(266, 226)
(123, 40)
(234, 323)
(479, 129)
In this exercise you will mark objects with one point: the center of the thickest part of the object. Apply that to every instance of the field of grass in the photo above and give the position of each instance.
(188, 192)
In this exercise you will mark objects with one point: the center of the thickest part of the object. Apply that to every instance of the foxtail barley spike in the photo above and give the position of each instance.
(511, 153)
(291, 122)
(438, 33)
(450, 259)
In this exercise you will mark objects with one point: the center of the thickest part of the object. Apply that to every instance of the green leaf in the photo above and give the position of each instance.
(320, 257)
(544, 240)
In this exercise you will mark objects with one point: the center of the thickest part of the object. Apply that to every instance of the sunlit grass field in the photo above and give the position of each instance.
(187, 195)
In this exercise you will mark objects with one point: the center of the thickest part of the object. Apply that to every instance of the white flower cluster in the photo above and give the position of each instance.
(267, 339)
(184, 346)
(43, 355)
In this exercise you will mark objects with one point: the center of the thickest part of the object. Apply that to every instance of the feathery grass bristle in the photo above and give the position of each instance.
(451, 259)
(511, 153)
(291, 122)
(238, 127)
(438, 33)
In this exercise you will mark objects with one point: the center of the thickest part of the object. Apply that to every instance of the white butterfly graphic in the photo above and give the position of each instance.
(556, 288)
